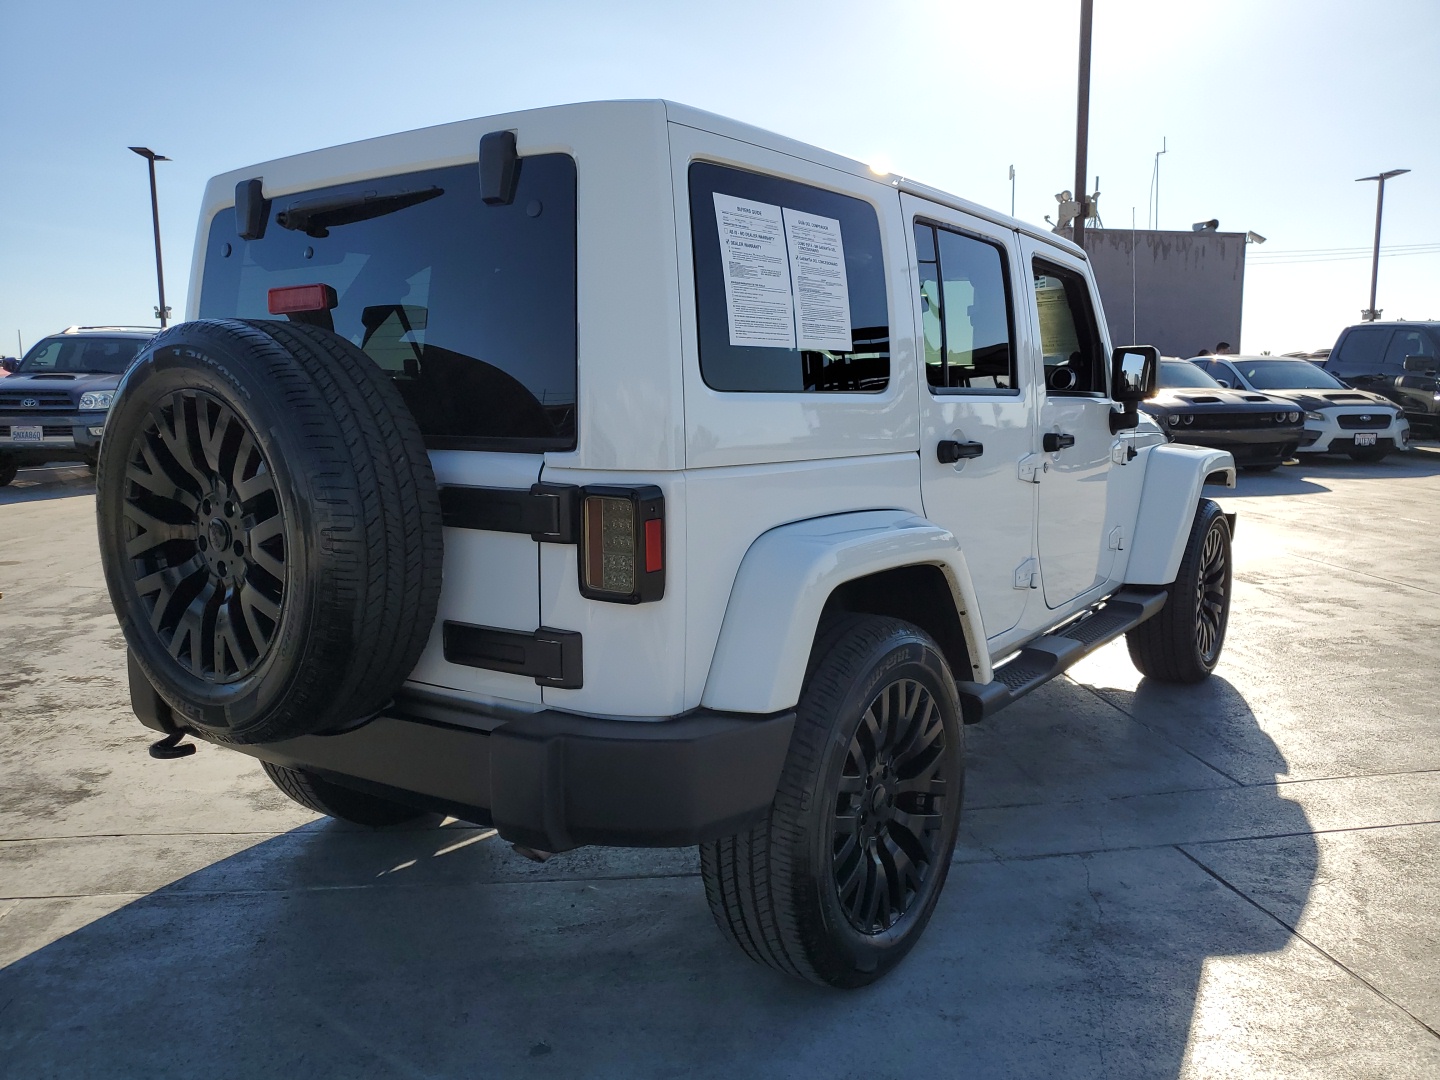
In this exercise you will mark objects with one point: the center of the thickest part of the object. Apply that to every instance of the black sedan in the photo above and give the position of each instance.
(1191, 407)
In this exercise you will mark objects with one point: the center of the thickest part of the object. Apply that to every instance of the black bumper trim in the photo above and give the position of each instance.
(554, 781)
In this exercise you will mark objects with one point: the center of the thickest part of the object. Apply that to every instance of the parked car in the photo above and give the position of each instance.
(53, 406)
(1260, 431)
(1338, 419)
(854, 463)
(1398, 360)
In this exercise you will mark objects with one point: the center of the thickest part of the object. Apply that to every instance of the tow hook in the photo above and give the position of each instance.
(171, 747)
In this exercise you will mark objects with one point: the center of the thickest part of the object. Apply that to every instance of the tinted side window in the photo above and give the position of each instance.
(1361, 351)
(965, 311)
(1407, 343)
(1069, 337)
(469, 308)
(789, 285)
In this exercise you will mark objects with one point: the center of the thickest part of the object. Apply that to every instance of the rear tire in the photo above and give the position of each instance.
(1182, 643)
(316, 793)
(838, 883)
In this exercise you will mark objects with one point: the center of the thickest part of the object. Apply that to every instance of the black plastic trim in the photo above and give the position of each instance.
(252, 209)
(548, 513)
(554, 781)
(552, 657)
(499, 168)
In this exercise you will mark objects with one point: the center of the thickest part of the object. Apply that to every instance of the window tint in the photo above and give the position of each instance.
(81, 354)
(1068, 335)
(1407, 343)
(470, 308)
(965, 311)
(1361, 351)
(795, 300)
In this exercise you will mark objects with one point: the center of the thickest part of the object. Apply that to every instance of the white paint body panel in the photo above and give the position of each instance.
(782, 586)
(771, 499)
(1174, 476)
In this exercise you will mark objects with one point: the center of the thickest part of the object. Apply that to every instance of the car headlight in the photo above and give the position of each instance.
(96, 399)
(1314, 416)
(1174, 419)
(1294, 417)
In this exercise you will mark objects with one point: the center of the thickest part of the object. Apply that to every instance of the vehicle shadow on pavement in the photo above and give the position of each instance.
(1070, 939)
(33, 485)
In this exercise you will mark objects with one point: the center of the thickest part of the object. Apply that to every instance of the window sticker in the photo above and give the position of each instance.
(785, 282)
(758, 296)
(817, 273)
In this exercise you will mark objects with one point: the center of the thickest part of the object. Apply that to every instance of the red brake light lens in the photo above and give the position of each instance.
(292, 299)
(622, 544)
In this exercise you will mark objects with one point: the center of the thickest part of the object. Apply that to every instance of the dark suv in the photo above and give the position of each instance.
(1398, 360)
(53, 405)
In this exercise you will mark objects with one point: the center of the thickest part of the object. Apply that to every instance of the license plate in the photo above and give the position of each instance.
(1365, 438)
(27, 434)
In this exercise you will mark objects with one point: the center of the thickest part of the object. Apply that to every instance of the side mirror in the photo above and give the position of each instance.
(1223, 383)
(1134, 373)
(1424, 364)
(9, 363)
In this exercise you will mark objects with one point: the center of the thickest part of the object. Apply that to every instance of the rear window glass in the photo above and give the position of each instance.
(794, 301)
(470, 308)
(81, 354)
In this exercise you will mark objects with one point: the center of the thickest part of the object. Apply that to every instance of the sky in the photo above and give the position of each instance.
(1269, 111)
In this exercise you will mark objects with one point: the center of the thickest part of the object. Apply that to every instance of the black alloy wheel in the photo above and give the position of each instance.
(886, 832)
(1182, 642)
(1212, 586)
(206, 536)
(837, 884)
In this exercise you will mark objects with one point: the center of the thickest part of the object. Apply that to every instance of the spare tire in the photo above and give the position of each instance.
(269, 528)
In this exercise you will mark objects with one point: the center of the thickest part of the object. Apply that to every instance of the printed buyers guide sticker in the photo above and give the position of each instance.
(785, 284)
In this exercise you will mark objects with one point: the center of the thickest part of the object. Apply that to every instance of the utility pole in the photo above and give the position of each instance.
(1082, 118)
(162, 312)
(1370, 314)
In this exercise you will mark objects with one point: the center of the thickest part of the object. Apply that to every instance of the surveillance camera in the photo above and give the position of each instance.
(1205, 226)
(1254, 237)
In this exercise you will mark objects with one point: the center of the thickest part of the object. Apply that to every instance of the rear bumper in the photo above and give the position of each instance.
(551, 780)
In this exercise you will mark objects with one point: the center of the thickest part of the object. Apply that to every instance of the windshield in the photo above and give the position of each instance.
(1183, 375)
(1286, 375)
(80, 355)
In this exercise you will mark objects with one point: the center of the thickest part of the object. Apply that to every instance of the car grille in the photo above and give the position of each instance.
(48, 431)
(1230, 421)
(1363, 421)
(47, 400)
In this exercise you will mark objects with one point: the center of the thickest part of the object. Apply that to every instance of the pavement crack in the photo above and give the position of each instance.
(1308, 941)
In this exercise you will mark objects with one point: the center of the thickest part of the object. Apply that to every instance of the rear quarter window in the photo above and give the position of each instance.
(774, 314)
(1362, 349)
(470, 308)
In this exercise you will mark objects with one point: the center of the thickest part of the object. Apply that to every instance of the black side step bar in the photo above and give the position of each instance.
(1049, 655)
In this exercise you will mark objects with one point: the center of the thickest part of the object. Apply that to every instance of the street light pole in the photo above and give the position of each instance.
(162, 312)
(1082, 118)
(1370, 314)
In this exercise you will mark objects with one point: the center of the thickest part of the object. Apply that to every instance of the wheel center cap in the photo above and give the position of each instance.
(219, 534)
(878, 798)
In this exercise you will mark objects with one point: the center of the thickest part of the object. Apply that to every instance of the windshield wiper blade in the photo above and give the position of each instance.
(318, 216)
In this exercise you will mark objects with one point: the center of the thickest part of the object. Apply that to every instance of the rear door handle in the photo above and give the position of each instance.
(949, 451)
(1056, 440)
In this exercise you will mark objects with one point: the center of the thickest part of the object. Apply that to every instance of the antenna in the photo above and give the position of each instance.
(1155, 179)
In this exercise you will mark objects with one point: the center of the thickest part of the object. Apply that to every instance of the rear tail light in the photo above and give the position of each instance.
(622, 544)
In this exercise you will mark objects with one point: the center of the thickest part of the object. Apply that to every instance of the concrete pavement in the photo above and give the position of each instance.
(1234, 880)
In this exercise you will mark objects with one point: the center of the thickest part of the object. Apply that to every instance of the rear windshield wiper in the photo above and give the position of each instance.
(318, 216)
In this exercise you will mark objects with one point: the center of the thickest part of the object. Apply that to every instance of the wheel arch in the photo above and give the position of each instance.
(1175, 475)
(882, 562)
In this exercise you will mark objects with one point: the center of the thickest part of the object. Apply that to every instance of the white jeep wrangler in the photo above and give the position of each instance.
(619, 474)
